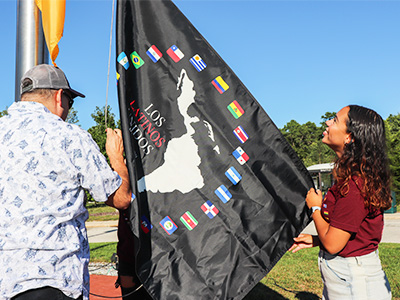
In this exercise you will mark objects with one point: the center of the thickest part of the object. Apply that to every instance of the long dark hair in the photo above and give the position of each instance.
(365, 157)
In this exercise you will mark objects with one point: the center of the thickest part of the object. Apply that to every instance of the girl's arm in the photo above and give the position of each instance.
(333, 239)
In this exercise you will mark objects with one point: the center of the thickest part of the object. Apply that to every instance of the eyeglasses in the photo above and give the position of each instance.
(70, 100)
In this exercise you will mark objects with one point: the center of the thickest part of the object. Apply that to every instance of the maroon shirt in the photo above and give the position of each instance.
(349, 214)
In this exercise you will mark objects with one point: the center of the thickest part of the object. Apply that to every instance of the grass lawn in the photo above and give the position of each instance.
(102, 252)
(101, 212)
(294, 277)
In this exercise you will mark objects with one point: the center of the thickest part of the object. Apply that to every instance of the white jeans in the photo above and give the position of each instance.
(353, 278)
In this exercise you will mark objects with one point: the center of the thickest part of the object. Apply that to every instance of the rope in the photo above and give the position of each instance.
(109, 62)
(115, 297)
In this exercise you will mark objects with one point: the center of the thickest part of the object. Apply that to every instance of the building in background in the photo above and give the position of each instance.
(322, 176)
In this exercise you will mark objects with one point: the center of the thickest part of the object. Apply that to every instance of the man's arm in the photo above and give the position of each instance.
(121, 198)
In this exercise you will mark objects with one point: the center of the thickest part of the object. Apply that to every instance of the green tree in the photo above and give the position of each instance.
(306, 138)
(4, 112)
(392, 124)
(318, 153)
(321, 153)
(72, 116)
(327, 116)
(300, 137)
(98, 131)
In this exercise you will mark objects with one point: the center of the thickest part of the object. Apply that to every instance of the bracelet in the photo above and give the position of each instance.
(314, 208)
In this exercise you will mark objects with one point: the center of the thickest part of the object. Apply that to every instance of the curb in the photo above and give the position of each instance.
(392, 216)
(94, 224)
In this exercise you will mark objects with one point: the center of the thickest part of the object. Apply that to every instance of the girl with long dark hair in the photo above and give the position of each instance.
(349, 220)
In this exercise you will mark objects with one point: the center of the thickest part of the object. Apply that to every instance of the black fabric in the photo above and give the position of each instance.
(44, 293)
(178, 135)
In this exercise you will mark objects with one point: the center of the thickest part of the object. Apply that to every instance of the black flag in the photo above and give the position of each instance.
(219, 191)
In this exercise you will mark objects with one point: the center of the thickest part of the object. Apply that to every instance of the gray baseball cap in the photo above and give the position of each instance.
(46, 77)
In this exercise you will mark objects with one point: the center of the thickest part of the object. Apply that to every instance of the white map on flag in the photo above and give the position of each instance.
(180, 170)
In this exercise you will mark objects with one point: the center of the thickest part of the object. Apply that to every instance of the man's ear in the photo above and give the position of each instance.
(58, 108)
(58, 97)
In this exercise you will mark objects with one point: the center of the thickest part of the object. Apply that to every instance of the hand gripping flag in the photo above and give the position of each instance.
(182, 153)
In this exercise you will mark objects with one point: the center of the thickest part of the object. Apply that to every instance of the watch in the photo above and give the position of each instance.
(314, 208)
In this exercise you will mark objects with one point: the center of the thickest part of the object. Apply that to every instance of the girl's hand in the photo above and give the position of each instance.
(304, 241)
(314, 198)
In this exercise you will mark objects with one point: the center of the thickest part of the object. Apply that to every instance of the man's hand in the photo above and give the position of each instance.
(121, 199)
(114, 145)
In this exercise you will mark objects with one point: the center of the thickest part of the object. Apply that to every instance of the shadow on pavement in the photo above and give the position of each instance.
(262, 292)
(306, 296)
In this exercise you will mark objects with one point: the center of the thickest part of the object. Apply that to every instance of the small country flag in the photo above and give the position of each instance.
(209, 209)
(136, 60)
(175, 53)
(198, 63)
(145, 224)
(241, 134)
(236, 110)
(118, 76)
(220, 85)
(123, 60)
(240, 155)
(154, 53)
(189, 221)
(223, 194)
(233, 175)
(168, 225)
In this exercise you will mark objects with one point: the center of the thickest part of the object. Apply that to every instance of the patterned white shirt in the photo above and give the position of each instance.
(45, 165)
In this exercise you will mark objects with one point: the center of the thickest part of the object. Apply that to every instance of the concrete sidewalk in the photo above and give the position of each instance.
(395, 216)
(102, 231)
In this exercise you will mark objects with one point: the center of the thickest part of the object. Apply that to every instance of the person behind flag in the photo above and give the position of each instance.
(46, 164)
(128, 281)
(349, 220)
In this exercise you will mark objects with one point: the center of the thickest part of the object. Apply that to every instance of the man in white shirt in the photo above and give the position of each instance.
(45, 166)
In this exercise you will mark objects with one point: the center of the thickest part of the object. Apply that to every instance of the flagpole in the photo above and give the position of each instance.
(31, 47)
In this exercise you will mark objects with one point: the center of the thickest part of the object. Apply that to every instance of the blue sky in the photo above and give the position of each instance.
(299, 59)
